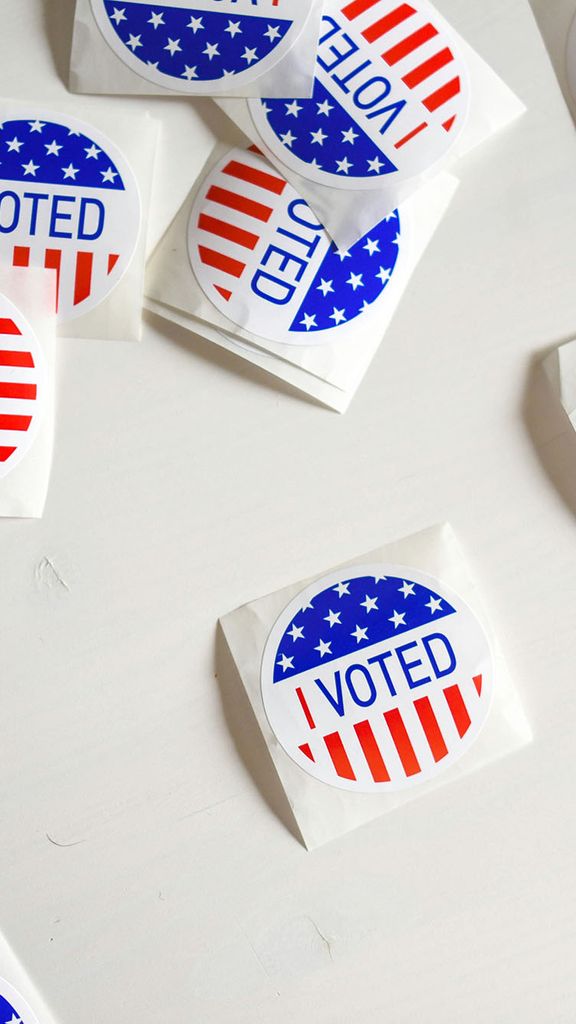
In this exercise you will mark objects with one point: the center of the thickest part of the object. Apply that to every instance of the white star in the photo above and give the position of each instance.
(407, 589)
(156, 20)
(343, 165)
(325, 287)
(152, 63)
(134, 42)
(249, 55)
(378, 579)
(293, 108)
(92, 153)
(325, 108)
(189, 73)
(307, 606)
(343, 254)
(52, 148)
(365, 306)
(360, 634)
(375, 165)
(372, 246)
(396, 241)
(333, 619)
(70, 172)
(36, 126)
(288, 138)
(297, 632)
(118, 15)
(109, 175)
(233, 28)
(370, 604)
(30, 168)
(349, 136)
(15, 145)
(173, 45)
(323, 648)
(355, 281)
(391, 216)
(73, 132)
(318, 137)
(309, 321)
(314, 163)
(211, 50)
(342, 589)
(285, 663)
(15, 1019)
(434, 605)
(397, 620)
(383, 275)
(272, 33)
(338, 316)
(195, 24)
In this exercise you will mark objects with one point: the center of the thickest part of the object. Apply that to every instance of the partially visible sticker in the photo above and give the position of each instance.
(390, 98)
(263, 259)
(13, 1008)
(68, 202)
(376, 678)
(201, 47)
(22, 386)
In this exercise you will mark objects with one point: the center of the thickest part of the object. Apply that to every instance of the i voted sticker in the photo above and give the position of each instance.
(68, 202)
(390, 97)
(376, 678)
(201, 47)
(22, 386)
(13, 1008)
(263, 259)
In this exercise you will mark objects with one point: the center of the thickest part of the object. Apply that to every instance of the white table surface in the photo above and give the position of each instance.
(148, 870)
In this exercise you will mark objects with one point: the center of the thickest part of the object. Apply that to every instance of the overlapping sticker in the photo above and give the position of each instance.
(201, 47)
(390, 97)
(13, 1008)
(263, 260)
(376, 678)
(23, 386)
(68, 202)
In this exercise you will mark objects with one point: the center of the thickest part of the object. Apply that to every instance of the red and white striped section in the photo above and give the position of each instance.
(20, 386)
(237, 206)
(418, 53)
(79, 273)
(400, 743)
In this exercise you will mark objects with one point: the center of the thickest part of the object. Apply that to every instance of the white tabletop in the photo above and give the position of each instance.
(149, 870)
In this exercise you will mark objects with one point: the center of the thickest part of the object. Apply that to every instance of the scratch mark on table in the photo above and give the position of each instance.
(48, 575)
(209, 807)
(63, 846)
(322, 937)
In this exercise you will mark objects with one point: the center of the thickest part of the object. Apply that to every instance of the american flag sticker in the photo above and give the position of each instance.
(390, 97)
(68, 202)
(263, 259)
(22, 386)
(202, 47)
(376, 678)
(13, 1008)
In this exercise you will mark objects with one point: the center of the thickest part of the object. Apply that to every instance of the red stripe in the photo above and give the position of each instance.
(411, 43)
(428, 67)
(305, 748)
(52, 261)
(8, 422)
(83, 281)
(224, 292)
(358, 7)
(371, 751)
(388, 22)
(112, 261)
(477, 680)
(17, 390)
(8, 326)
(448, 124)
(339, 756)
(10, 358)
(225, 230)
(21, 256)
(255, 177)
(5, 453)
(458, 708)
(406, 138)
(305, 708)
(219, 261)
(402, 742)
(441, 96)
(235, 202)
(431, 728)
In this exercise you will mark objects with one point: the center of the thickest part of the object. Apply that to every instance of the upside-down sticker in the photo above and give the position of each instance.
(263, 260)
(376, 678)
(68, 202)
(201, 47)
(390, 97)
(22, 386)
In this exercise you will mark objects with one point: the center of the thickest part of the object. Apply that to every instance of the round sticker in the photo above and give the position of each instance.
(22, 386)
(201, 47)
(13, 1008)
(263, 259)
(390, 97)
(68, 202)
(376, 678)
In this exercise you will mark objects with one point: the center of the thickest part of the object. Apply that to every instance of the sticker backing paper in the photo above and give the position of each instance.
(23, 386)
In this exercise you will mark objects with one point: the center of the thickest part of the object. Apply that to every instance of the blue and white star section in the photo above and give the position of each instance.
(13, 1008)
(68, 202)
(261, 257)
(376, 678)
(391, 97)
(203, 47)
(23, 386)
